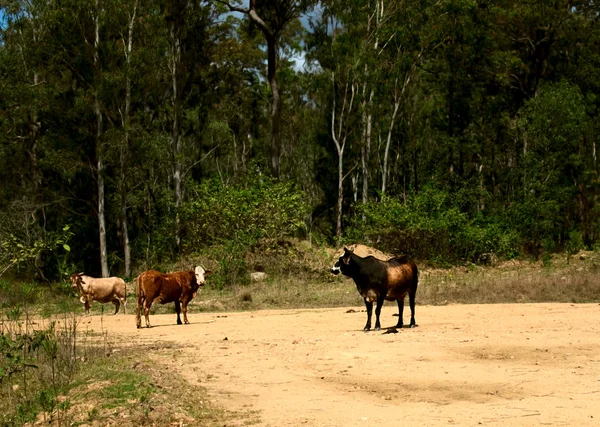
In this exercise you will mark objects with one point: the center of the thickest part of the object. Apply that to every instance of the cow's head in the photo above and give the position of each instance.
(76, 280)
(201, 275)
(343, 261)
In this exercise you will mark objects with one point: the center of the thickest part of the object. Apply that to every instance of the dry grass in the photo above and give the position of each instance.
(572, 280)
(561, 280)
(298, 277)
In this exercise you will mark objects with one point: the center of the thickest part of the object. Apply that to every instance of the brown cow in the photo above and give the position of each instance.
(378, 280)
(179, 287)
(110, 289)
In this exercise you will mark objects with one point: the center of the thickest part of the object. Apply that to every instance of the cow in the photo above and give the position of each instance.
(378, 280)
(110, 289)
(179, 287)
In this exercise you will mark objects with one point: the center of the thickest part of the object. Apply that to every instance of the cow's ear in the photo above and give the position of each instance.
(207, 272)
(346, 257)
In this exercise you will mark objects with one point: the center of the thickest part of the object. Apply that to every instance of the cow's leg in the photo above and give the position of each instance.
(138, 311)
(184, 310)
(147, 305)
(87, 306)
(369, 306)
(117, 304)
(124, 302)
(400, 312)
(378, 312)
(411, 299)
(178, 310)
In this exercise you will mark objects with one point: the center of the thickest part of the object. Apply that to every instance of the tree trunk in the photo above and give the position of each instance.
(388, 142)
(367, 120)
(275, 107)
(339, 139)
(125, 149)
(338, 223)
(100, 163)
(175, 133)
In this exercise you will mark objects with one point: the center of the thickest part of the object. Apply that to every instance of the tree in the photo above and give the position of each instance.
(272, 17)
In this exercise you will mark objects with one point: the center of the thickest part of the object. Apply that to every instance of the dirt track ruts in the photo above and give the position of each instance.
(505, 364)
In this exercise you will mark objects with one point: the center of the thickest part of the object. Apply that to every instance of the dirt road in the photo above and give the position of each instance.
(525, 364)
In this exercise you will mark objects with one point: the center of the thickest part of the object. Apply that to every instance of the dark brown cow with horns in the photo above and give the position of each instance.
(378, 280)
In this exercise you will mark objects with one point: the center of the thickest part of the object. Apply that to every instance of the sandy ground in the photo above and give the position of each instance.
(517, 364)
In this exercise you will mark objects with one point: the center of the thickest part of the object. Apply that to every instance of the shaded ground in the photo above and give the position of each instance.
(504, 364)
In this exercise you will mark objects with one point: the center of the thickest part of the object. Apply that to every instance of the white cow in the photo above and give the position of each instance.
(110, 289)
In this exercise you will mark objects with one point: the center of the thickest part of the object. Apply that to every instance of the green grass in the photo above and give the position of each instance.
(131, 389)
(50, 373)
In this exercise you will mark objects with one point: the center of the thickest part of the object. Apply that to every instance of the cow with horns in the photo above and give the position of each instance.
(378, 280)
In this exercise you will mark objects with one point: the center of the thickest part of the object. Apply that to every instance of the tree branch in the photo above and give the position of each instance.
(233, 8)
(251, 12)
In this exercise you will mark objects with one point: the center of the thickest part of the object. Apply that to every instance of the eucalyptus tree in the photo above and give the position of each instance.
(239, 108)
(272, 17)
(126, 123)
(405, 46)
(24, 95)
(333, 50)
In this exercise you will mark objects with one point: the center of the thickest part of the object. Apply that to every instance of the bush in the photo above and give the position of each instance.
(35, 368)
(431, 226)
(232, 219)
(258, 208)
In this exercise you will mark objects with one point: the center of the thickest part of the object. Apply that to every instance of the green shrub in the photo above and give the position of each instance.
(258, 208)
(232, 219)
(575, 243)
(430, 226)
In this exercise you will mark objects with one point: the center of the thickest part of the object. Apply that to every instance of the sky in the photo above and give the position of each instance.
(299, 58)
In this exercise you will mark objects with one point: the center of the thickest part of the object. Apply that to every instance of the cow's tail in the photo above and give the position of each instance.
(415, 277)
(140, 301)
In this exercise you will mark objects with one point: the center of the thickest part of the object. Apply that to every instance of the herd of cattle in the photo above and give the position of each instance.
(376, 280)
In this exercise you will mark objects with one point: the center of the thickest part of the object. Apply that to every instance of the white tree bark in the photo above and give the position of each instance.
(339, 139)
(126, 119)
(397, 97)
(100, 163)
(175, 61)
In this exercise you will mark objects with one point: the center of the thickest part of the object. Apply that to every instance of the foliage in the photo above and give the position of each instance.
(259, 207)
(493, 104)
(430, 225)
(231, 219)
(36, 365)
(14, 252)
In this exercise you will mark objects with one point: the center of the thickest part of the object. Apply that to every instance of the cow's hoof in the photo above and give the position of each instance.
(377, 328)
(414, 325)
(367, 328)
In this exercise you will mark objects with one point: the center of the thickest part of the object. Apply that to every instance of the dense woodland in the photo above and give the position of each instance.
(137, 133)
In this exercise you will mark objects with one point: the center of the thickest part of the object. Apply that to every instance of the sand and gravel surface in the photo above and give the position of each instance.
(504, 364)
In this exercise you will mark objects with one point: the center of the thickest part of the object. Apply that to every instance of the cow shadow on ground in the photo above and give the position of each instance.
(384, 330)
(166, 325)
(394, 329)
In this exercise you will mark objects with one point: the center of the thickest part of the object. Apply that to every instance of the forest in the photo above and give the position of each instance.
(138, 133)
